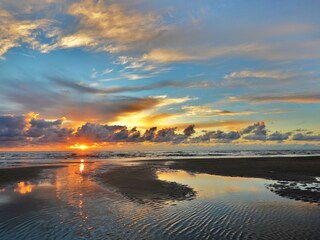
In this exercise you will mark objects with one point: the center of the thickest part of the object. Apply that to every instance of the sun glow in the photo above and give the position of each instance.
(79, 146)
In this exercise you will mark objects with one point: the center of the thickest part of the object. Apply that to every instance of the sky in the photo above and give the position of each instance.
(144, 74)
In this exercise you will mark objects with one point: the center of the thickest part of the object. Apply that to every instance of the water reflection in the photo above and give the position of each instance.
(74, 188)
(209, 186)
(76, 207)
(81, 167)
(24, 188)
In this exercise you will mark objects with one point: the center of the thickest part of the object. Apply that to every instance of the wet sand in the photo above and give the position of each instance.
(274, 168)
(141, 183)
(13, 175)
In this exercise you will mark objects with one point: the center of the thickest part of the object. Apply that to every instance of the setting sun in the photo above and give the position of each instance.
(79, 146)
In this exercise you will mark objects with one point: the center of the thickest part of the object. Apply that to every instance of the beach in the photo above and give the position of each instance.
(141, 182)
(164, 198)
(18, 174)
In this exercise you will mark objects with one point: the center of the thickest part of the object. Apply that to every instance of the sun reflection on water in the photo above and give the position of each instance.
(81, 168)
(72, 186)
(23, 188)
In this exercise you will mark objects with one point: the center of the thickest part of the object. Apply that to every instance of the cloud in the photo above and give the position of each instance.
(150, 134)
(189, 130)
(24, 130)
(42, 131)
(274, 74)
(278, 136)
(33, 6)
(14, 32)
(11, 126)
(111, 28)
(202, 111)
(31, 130)
(168, 135)
(85, 88)
(167, 55)
(99, 133)
(142, 28)
(115, 107)
(306, 137)
(149, 119)
(255, 132)
(260, 49)
(164, 135)
(165, 101)
(52, 101)
(307, 97)
(218, 137)
(225, 124)
(96, 132)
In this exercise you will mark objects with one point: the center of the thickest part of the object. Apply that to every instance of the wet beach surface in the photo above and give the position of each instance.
(167, 199)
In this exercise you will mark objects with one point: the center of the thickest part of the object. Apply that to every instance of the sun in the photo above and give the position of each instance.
(79, 146)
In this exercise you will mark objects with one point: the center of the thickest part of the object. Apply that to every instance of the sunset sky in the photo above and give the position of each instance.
(140, 73)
